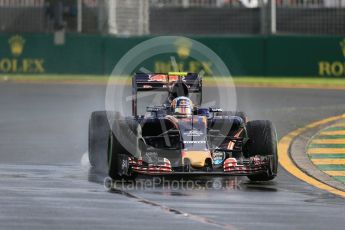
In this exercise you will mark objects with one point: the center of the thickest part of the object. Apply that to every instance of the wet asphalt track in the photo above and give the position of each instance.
(43, 135)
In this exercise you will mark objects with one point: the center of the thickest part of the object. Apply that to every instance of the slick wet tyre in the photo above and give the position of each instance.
(123, 142)
(262, 141)
(98, 140)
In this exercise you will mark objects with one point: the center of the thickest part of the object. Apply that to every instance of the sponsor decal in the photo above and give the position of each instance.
(151, 157)
(18, 64)
(193, 133)
(158, 77)
(194, 142)
(164, 78)
(218, 157)
(175, 78)
(216, 110)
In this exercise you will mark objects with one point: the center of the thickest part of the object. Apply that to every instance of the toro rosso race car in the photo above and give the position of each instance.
(179, 137)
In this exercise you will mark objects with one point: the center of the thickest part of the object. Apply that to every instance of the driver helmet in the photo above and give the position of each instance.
(182, 106)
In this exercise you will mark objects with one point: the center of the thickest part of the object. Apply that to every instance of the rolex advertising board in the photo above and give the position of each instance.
(16, 59)
(334, 66)
(239, 60)
(37, 54)
(312, 56)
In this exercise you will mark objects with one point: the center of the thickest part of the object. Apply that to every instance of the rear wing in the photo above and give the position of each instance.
(163, 82)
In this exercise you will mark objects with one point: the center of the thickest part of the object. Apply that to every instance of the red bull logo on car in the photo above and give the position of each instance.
(165, 78)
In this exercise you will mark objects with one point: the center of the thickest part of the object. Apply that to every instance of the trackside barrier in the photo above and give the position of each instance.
(322, 56)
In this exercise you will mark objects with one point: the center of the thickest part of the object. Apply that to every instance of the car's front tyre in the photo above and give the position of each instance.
(262, 141)
(123, 142)
(98, 140)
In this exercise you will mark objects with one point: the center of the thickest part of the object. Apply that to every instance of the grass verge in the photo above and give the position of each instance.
(280, 82)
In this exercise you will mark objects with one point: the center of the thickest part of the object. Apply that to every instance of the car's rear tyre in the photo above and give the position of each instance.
(98, 140)
(123, 142)
(262, 141)
(240, 114)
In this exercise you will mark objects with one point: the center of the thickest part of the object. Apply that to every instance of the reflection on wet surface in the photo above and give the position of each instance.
(176, 186)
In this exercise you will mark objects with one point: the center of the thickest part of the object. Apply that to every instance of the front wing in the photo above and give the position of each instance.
(230, 167)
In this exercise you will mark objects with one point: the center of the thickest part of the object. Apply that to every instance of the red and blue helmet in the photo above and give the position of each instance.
(182, 106)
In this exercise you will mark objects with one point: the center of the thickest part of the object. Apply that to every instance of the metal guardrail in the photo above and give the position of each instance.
(207, 17)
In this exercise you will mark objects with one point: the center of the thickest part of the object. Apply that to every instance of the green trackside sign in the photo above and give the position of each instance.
(334, 66)
(305, 56)
(239, 61)
(14, 61)
(37, 54)
(322, 56)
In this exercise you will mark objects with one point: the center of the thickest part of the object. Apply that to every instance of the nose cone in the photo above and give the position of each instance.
(197, 158)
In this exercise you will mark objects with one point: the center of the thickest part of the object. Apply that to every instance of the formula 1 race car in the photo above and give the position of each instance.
(179, 137)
